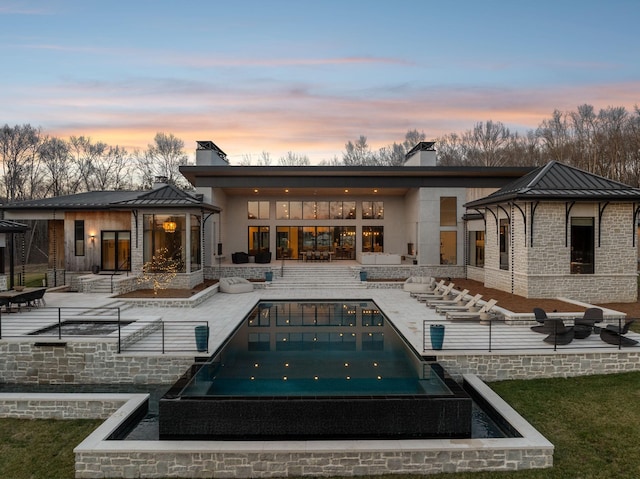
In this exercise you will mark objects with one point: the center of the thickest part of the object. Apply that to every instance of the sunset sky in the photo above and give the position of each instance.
(307, 77)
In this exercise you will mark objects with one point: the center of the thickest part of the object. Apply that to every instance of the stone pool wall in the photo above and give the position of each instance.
(60, 406)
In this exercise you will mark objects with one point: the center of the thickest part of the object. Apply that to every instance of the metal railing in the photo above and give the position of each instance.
(496, 334)
(76, 324)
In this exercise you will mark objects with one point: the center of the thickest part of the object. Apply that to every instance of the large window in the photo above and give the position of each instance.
(258, 239)
(476, 248)
(582, 246)
(373, 239)
(448, 211)
(258, 210)
(165, 231)
(78, 228)
(504, 244)
(115, 250)
(448, 247)
(372, 210)
(196, 261)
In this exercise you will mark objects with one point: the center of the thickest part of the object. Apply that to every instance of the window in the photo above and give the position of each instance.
(372, 210)
(195, 243)
(582, 246)
(448, 247)
(258, 239)
(79, 237)
(115, 251)
(258, 210)
(476, 248)
(448, 211)
(165, 231)
(340, 210)
(288, 210)
(373, 239)
(504, 244)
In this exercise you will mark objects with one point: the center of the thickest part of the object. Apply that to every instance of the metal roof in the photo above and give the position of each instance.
(167, 196)
(557, 181)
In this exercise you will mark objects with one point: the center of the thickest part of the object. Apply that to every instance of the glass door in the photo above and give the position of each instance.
(116, 251)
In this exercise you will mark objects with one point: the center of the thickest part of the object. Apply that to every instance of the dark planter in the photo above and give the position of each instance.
(437, 336)
(202, 338)
(268, 275)
(363, 275)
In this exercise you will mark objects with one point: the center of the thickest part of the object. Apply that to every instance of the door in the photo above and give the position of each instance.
(116, 251)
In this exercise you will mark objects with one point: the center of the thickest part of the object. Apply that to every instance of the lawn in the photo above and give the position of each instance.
(593, 421)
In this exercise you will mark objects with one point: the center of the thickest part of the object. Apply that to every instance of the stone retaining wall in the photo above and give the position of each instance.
(85, 362)
(59, 406)
(498, 367)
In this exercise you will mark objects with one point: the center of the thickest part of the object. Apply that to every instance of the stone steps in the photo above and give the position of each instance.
(314, 276)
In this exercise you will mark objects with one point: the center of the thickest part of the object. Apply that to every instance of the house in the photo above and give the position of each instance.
(118, 231)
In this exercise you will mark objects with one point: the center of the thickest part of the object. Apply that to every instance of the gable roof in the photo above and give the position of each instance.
(557, 181)
(167, 196)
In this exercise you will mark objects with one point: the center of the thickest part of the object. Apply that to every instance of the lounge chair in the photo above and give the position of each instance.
(432, 303)
(437, 288)
(614, 334)
(560, 334)
(445, 308)
(419, 284)
(476, 315)
(440, 294)
(585, 325)
(546, 325)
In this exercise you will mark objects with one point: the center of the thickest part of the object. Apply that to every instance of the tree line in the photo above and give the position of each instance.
(607, 143)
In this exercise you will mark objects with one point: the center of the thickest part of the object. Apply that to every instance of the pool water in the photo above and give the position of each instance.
(315, 369)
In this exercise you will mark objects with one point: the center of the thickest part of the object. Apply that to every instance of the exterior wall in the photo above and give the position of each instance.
(56, 406)
(542, 270)
(94, 223)
(429, 224)
(82, 362)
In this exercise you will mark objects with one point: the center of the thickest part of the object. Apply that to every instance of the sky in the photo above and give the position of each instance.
(289, 75)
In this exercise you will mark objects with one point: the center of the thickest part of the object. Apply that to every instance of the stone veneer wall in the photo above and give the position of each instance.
(265, 464)
(84, 362)
(57, 406)
(405, 271)
(498, 367)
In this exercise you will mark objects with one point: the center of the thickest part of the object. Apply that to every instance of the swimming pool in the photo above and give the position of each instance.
(308, 369)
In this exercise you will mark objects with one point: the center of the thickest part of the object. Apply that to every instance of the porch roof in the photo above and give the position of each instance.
(167, 196)
(7, 226)
(556, 181)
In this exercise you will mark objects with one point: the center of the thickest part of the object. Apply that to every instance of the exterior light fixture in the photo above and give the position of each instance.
(169, 226)
(92, 237)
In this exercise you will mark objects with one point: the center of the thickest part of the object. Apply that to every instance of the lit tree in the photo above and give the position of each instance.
(160, 270)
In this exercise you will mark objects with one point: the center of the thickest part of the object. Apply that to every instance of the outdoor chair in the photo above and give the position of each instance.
(467, 307)
(546, 324)
(440, 294)
(585, 325)
(614, 334)
(432, 303)
(482, 314)
(438, 287)
(5, 302)
(560, 334)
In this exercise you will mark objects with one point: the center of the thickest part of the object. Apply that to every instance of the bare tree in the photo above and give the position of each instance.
(56, 160)
(18, 149)
(163, 158)
(358, 153)
(294, 159)
(487, 141)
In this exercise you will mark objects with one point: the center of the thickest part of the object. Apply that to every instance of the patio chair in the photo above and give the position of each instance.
(467, 307)
(432, 303)
(482, 314)
(546, 324)
(614, 334)
(560, 334)
(585, 325)
(437, 287)
(441, 294)
(6, 303)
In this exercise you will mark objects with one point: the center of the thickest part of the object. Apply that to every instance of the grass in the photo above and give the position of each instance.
(41, 448)
(593, 421)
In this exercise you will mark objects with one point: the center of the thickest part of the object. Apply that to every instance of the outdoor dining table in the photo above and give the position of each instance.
(14, 296)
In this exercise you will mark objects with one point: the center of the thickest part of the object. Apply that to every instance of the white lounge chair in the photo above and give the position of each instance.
(481, 314)
(438, 287)
(460, 307)
(441, 294)
(432, 303)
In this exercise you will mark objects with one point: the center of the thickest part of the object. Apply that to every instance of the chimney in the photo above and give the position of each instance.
(208, 154)
(160, 181)
(423, 154)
